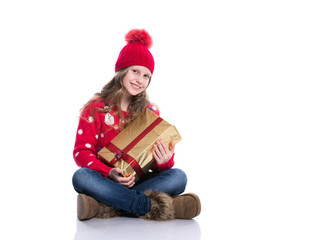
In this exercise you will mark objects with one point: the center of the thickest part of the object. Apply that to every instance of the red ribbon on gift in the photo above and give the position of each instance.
(123, 154)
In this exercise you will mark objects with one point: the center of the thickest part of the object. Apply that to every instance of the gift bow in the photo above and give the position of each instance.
(123, 154)
(119, 154)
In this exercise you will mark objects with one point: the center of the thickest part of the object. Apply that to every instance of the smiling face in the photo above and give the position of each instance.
(136, 80)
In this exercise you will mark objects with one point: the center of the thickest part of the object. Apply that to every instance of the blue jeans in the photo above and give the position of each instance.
(132, 200)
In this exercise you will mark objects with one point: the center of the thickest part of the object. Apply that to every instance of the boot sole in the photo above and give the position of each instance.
(83, 208)
(198, 203)
(198, 206)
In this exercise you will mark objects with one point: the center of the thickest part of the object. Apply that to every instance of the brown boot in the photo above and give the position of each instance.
(186, 206)
(88, 207)
(164, 207)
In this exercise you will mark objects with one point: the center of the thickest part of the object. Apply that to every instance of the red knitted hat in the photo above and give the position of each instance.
(136, 51)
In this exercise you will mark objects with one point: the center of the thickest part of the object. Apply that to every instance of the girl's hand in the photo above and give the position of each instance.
(162, 153)
(115, 175)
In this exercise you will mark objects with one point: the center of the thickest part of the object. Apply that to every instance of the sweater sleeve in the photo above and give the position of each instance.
(85, 152)
(164, 166)
(170, 163)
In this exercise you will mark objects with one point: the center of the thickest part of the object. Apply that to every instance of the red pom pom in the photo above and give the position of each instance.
(138, 35)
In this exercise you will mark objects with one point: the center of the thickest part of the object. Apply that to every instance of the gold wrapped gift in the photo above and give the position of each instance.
(131, 150)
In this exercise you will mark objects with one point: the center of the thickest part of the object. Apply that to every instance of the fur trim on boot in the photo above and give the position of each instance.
(161, 206)
(106, 211)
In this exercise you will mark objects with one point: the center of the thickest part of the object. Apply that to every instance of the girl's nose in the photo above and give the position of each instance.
(140, 79)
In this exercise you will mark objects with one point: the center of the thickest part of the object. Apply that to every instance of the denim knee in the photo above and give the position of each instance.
(80, 178)
(174, 181)
(180, 180)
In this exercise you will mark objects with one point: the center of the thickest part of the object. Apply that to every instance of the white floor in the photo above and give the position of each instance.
(130, 228)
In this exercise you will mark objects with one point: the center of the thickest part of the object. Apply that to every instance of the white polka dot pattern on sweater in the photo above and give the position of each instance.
(77, 153)
(91, 119)
(88, 145)
(80, 131)
(109, 119)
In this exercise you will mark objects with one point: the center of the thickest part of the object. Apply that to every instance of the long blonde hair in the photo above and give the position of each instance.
(112, 94)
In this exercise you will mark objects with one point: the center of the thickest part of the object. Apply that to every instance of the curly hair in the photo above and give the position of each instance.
(112, 94)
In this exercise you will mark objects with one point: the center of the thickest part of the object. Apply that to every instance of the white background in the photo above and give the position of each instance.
(233, 76)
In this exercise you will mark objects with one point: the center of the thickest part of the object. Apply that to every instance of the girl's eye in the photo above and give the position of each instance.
(134, 70)
(146, 76)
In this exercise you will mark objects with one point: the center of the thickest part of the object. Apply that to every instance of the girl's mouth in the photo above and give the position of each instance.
(135, 86)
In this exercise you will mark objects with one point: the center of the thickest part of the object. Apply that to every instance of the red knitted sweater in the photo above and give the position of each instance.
(95, 131)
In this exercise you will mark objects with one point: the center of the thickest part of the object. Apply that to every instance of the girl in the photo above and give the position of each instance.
(103, 192)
